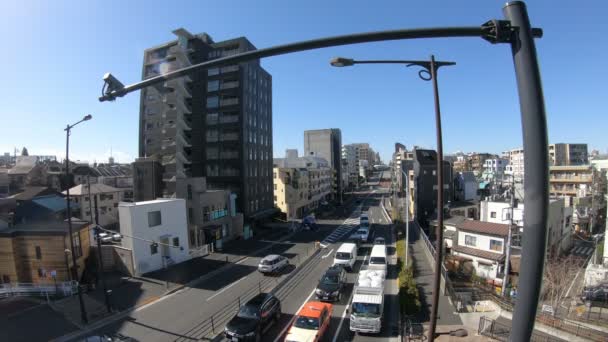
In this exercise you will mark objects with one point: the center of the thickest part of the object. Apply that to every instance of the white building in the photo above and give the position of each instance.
(516, 163)
(107, 201)
(465, 186)
(559, 221)
(484, 244)
(162, 221)
(496, 167)
(350, 162)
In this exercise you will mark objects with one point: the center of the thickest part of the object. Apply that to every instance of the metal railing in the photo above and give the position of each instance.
(64, 289)
(501, 332)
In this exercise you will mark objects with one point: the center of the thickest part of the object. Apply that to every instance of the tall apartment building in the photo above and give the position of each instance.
(215, 123)
(327, 144)
(516, 163)
(424, 184)
(351, 164)
(568, 154)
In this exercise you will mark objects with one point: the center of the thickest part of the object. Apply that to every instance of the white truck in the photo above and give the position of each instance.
(367, 305)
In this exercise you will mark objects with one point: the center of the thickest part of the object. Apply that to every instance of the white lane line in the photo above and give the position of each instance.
(328, 253)
(242, 260)
(341, 320)
(279, 337)
(224, 289)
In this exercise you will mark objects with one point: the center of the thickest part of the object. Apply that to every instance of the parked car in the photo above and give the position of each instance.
(379, 241)
(116, 237)
(254, 318)
(104, 237)
(331, 284)
(597, 293)
(362, 234)
(272, 263)
(311, 323)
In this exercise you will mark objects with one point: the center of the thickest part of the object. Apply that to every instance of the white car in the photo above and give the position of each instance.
(116, 237)
(362, 234)
(272, 263)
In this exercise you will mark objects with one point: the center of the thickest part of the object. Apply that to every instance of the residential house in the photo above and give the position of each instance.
(40, 251)
(107, 201)
(161, 228)
(483, 243)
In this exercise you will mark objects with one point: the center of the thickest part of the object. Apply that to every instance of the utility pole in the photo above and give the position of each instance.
(505, 280)
(100, 270)
(90, 200)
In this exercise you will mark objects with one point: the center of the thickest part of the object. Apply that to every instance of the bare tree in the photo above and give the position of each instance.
(558, 275)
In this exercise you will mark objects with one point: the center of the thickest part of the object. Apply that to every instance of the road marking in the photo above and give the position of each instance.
(328, 253)
(341, 320)
(224, 289)
(242, 260)
(279, 337)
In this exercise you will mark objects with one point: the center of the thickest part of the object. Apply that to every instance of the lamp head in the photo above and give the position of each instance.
(87, 117)
(342, 62)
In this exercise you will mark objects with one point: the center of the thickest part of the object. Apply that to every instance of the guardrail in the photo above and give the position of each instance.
(65, 289)
(501, 332)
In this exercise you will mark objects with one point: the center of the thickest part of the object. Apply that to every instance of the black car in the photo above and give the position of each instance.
(596, 294)
(332, 284)
(253, 318)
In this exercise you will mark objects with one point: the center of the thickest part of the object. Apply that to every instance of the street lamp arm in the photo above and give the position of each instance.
(113, 88)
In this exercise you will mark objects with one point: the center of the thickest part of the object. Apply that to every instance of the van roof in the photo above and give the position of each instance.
(346, 247)
(378, 251)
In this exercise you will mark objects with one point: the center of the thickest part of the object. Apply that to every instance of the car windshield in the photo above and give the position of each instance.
(362, 232)
(330, 279)
(249, 311)
(377, 261)
(266, 262)
(304, 322)
(366, 309)
(342, 256)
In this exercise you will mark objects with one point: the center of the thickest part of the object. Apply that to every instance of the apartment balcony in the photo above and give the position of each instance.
(229, 137)
(229, 69)
(570, 179)
(229, 102)
(168, 160)
(224, 119)
(180, 156)
(181, 55)
(178, 84)
(229, 85)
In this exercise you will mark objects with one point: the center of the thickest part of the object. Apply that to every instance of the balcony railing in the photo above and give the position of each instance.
(229, 102)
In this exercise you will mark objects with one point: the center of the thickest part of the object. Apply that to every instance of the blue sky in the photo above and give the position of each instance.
(55, 53)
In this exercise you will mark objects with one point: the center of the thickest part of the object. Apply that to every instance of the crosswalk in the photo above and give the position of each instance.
(344, 229)
(581, 250)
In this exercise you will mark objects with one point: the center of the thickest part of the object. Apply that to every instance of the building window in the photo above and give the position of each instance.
(275, 198)
(154, 218)
(212, 118)
(153, 248)
(213, 85)
(493, 214)
(41, 273)
(275, 186)
(470, 240)
(38, 253)
(496, 245)
(190, 215)
(176, 241)
(213, 102)
(213, 72)
(189, 191)
(77, 245)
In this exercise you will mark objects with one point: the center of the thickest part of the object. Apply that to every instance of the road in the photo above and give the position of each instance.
(185, 315)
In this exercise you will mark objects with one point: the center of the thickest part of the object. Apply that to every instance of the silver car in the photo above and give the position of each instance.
(272, 263)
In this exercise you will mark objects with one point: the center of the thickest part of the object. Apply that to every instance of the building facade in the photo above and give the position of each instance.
(350, 162)
(515, 168)
(424, 183)
(327, 144)
(162, 230)
(301, 185)
(107, 202)
(215, 123)
(35, 252)
(568, 154)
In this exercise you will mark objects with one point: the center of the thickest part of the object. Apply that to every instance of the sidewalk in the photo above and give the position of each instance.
(423, 274)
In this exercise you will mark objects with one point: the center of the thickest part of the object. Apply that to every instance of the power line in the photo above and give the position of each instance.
(138, 238)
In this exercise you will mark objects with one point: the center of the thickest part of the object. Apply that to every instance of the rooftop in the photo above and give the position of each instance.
(489, 228)
(99, 188)
(33, 191)
(43, 228)
(156, 201)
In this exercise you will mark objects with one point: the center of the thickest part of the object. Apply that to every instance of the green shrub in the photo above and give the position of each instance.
(409, 300)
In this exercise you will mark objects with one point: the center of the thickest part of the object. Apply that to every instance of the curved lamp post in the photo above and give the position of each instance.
(428, 73)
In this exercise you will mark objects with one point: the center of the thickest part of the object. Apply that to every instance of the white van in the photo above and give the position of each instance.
(346, 255)
(377, 258)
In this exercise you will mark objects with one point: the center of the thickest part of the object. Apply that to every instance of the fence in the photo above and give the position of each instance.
(38, 290)
(500, 331)
(213, 326)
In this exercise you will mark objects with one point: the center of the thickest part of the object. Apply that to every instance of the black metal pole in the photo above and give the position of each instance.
(439, 233)
(100, 270)
(536, 185)
(83, 312)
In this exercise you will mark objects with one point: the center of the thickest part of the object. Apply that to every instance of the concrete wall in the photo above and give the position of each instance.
(134, 221)
(483, 241)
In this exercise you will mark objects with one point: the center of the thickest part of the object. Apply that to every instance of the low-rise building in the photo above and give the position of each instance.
(495, 168)
(465, 186)
(484, 244)
(161, 230)
(40, 251)
(107, 201)
(301, 185)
